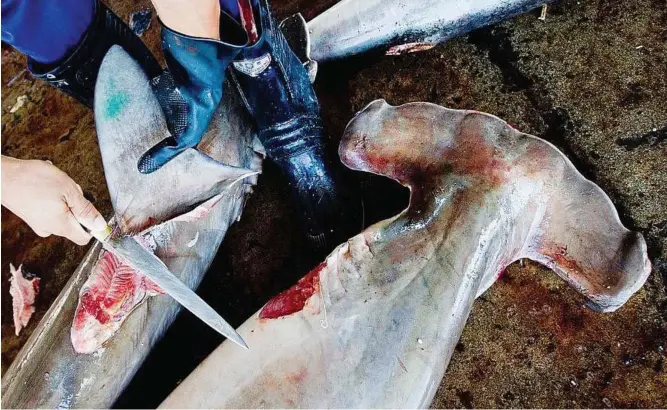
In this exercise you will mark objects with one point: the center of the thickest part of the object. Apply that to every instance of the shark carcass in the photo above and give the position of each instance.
(376, 323)
(104, 323)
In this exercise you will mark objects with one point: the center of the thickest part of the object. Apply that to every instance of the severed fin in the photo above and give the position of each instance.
(129, 121)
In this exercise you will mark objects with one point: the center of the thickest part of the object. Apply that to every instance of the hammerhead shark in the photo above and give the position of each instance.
(376, 323)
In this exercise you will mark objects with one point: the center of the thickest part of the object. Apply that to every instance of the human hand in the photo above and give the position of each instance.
(48, 200)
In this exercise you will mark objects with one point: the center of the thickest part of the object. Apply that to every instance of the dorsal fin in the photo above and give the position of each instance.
(129, 121)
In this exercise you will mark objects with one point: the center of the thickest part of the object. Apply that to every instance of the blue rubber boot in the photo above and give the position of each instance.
(277, 93)
(190, 90)
(75, 74)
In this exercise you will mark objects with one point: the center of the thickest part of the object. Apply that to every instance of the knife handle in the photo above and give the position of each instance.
(103, 234)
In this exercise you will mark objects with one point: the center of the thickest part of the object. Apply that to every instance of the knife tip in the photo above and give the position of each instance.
(236, 338)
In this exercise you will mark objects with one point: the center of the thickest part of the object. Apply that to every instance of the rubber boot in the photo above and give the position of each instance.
(76, 73)
(191, 89)
(277, 93)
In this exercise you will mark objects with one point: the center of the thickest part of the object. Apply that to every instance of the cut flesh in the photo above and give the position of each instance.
(114, 289)
(109, 295)
(23, 287)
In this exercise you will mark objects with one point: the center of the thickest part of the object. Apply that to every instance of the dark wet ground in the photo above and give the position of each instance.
(592, 79)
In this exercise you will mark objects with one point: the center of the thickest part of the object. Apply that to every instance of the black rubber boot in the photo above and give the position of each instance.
(76, 73)
(191, 89)
(277, 92)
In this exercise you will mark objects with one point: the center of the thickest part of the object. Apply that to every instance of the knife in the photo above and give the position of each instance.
(139, 258)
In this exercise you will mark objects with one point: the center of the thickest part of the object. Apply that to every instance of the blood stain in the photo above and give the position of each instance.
(293, 299)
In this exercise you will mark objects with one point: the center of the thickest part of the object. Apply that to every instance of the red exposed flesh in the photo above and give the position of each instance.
(293, 299)
(24, 289)
(248, 20)
(113, 284)
(112, 291)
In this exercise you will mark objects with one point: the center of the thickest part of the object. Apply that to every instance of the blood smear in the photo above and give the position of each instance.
(248, 21)
(114, 289)
(293, 299)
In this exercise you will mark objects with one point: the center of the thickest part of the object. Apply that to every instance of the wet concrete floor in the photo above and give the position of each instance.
(592, 79)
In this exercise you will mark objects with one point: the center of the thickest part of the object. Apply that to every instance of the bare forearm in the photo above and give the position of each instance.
(9, 169)
(199, 18)
(48, 200)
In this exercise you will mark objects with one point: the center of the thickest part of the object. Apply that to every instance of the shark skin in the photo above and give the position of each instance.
(48, 372)
(394, 27)
(375, 325)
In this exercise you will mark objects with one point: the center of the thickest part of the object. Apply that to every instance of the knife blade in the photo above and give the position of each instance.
(143, 261)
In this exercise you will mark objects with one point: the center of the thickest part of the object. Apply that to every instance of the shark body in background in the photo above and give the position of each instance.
(397, 26)
(374, 326)
(49, 371)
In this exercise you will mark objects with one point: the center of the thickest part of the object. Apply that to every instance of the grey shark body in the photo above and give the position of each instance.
(48, 372)
(374, 326)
